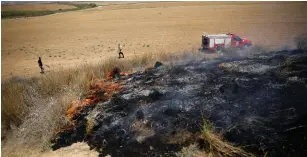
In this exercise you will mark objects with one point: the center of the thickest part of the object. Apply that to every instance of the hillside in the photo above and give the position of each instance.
(257, 102)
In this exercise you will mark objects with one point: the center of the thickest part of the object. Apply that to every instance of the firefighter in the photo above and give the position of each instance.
(40, 64)
(120, 53)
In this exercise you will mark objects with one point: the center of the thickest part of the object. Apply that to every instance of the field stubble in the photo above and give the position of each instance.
(145, 28)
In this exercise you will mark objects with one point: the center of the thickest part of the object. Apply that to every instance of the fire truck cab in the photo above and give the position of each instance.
(217, 42)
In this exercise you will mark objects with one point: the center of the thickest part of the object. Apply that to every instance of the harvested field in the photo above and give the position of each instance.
(35, 7)
(88, 36)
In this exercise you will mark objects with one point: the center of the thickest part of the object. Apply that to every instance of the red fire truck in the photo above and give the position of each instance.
(217, 42)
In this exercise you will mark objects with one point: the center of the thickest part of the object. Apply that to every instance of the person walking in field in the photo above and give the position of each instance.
(40, 64)
(120, 53)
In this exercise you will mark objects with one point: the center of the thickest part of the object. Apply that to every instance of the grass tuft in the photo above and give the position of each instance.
(215, 146)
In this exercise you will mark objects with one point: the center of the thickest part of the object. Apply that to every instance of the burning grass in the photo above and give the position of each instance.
(100, 90)
(160, 124)
(33, 108)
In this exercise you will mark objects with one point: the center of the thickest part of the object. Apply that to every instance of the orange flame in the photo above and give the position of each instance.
(109, 76)
(112, 74)
(65, 129)
(116, 71)
(100, 90)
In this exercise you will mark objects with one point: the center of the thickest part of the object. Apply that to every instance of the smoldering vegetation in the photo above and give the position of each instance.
(32, 109)
(256, 101)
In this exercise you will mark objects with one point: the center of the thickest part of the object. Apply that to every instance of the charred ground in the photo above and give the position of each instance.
(258, 102)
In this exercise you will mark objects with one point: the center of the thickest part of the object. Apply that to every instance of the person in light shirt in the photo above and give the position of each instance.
(120, 53)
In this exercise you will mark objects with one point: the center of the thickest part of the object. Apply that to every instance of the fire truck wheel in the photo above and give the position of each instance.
(246, 46)
(201, 49)
(218, 49)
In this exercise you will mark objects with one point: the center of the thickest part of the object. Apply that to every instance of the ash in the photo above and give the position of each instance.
(259, 102)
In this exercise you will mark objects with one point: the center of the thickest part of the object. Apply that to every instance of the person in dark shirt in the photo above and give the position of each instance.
(40, 64)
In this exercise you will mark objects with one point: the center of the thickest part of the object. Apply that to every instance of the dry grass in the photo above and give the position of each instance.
(13, 114)
(33, 108)
(192, 151)
(216, 146)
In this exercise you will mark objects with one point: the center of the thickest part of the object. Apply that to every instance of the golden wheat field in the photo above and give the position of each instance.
(65, 40)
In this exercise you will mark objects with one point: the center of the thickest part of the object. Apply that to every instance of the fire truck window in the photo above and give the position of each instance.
(237, 38)
(205, 41)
